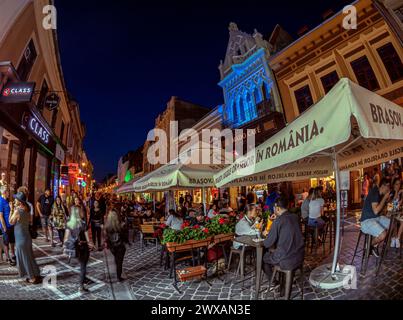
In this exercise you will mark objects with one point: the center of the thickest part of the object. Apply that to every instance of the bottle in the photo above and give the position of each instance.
(269, 224)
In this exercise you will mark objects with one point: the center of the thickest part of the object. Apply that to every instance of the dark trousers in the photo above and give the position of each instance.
(268, 270)
(61, 232)
(83, 257)
(119, 254)
(96, 234)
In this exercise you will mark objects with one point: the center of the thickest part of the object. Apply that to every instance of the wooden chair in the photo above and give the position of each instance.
(147, 234)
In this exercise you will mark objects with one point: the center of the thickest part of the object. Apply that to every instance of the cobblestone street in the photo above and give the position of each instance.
(147, 280)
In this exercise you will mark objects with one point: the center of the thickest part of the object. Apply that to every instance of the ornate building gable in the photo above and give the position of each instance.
(246, 79)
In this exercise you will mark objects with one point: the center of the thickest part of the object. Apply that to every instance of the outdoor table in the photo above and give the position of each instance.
(395, 217)
(248, 240)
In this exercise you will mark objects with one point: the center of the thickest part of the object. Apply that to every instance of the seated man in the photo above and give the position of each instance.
(285, 234)
(371, 222)
(226, 209)
(198, 220)
(245, 226)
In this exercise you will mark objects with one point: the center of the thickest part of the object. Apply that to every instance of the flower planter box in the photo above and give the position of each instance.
(188, 245)
(223, 237)
(191, 273)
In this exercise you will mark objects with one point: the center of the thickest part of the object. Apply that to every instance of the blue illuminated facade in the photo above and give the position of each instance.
(249, 90)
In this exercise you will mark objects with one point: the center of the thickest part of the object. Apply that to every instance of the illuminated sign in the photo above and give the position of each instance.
(17, 92)
(39, 130)
(32, 124)
(73, 169)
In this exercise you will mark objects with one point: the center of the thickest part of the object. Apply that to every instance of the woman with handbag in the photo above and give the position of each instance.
(96, 222)
(77, 243)
(21, 218)
(58, 219)
(116, 238)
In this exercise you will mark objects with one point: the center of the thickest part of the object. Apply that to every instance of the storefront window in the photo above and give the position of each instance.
(40, 175)
(25, 173)
(9, 150)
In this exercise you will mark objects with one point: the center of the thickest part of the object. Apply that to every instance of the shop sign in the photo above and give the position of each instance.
(59, 153)
(14, 92)
(52, 101)
(33, 125)
(73, 169)
(64, 181)
(344, 180)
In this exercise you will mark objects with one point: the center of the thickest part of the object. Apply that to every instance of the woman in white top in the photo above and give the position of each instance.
(316, 209)
(174, 220)
(213, 211)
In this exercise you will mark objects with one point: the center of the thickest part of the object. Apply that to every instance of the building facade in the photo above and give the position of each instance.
(185, 113)
(34, 130)
(370, 55)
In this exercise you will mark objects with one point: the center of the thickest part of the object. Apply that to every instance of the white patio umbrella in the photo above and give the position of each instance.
(349, 128)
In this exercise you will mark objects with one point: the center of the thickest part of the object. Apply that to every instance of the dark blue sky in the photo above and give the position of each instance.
(123, 60)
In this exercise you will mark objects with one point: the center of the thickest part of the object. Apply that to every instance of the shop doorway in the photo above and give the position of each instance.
(9, 157)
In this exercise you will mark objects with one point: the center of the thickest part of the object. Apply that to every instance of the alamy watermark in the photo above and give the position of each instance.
(350, 19)
(210, 146)
(49, 22)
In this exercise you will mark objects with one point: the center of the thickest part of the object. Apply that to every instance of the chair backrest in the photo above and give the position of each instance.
(147, 228)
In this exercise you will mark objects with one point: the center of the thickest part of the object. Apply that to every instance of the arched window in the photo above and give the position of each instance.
(241, 109)
(257, 95)
(234, 112)
(250, 112)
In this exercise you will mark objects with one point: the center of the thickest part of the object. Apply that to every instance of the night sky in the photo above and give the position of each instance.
(123, 60)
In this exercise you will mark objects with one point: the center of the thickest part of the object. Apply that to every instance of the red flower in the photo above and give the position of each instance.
(163, 225)
(196, 226)
(221, 221)
(206, 219)
(185, 225)
(205, 230)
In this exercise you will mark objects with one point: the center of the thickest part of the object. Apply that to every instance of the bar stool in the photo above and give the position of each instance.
(289, 280)
(366, 251)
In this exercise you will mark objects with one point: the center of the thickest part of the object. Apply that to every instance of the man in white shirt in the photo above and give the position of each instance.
(245, 226)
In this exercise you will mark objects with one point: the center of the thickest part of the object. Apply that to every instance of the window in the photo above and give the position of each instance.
(329, 80)
(54, 118)
(364, 73)
(62, 131)
(304, 98)
(391, 61)
(27, 61)
(399, 13)
(42, 95)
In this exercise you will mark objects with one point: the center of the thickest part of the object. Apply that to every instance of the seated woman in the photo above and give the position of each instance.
(213, 211)
(198, 220)
(174, 220)
(316, 205)
(396, 196)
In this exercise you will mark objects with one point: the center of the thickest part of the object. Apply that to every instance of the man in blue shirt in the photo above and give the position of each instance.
(271, 199)
(6, 228)
(371, 221)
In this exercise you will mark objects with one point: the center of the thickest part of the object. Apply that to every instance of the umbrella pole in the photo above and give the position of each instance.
(204, 200)
(338, 215)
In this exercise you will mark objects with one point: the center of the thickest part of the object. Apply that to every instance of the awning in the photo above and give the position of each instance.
(180, 174)
(350, 128)
(362, 128)
(127, 187)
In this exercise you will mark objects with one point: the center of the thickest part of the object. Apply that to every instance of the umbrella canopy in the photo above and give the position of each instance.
(358, 126)
(351, 128)
(180, 173)
(126, 187)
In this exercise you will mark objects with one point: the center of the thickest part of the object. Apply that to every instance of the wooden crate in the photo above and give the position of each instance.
(191, 273)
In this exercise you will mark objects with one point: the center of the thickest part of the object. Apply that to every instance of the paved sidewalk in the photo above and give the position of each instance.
(147, 280)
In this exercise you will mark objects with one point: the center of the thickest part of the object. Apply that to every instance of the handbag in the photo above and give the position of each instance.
(33, 232)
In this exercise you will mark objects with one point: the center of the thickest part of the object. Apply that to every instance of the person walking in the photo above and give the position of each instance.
(26, 263)
(116, 238)
(58, 219)
(96, 222)
(44, 208)
(76, 238)
(6, 228)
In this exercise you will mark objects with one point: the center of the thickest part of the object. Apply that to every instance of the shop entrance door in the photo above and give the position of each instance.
(13, 154)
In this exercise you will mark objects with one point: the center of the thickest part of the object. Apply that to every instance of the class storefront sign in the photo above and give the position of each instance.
(32, 124)
(17, 92)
